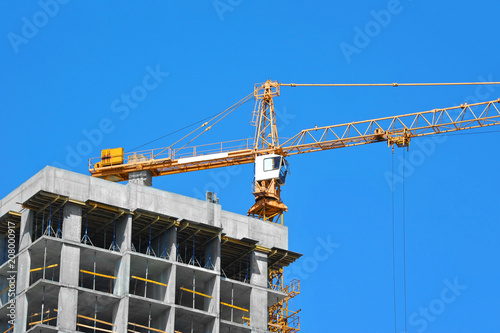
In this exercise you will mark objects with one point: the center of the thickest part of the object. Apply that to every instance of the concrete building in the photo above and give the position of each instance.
(89, 255)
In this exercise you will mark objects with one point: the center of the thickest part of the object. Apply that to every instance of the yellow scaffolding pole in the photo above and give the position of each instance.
(96, 320)
(95, 328)
(37, 314)
(147, 280)
(196, 292)
(234, 306)
(42, 321)
(40, 268)
(98, 274)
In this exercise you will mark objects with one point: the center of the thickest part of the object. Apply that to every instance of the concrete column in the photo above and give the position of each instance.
(124, 233)
(212, 253)
(72, 222)
(67, 304)
(120, 315)
(258, 269)
(172, 243)
(25, 229)
(70, 265)
(67, 307)
(171, 285)
(213, 289)
(258, 297)
(170, 316)
(122, 282)
(214, 213)
(23, 265)
(23, 280)
(21, 314)
(164, 244)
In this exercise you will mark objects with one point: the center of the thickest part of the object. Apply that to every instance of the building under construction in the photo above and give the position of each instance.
(97, 256)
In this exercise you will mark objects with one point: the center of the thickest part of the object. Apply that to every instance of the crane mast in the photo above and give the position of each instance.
(267, 192)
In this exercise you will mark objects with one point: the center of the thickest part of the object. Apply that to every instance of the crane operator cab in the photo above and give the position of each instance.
(271, 166)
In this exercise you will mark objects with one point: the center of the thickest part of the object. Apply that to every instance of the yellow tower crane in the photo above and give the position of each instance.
(269, 155)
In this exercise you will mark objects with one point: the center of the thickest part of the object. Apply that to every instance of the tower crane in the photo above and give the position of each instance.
(269, 154)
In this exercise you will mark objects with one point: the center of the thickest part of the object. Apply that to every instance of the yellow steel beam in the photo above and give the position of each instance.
(147, 227)
(40, 268)
(110, 208)
(98, 274)
(95, 328)
(48, 204)
(42, 321)
(234, 306)
(39, 313)
(196, 292)
(147, 280)
(96, 320)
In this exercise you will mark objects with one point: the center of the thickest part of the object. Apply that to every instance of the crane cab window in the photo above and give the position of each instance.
(272, 163)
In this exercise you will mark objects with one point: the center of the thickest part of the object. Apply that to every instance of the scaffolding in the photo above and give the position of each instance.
(235, 257)
(8, 221)
(283, 317)
(47, 209)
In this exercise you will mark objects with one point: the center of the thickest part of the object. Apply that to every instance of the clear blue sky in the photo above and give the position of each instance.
(66, 67)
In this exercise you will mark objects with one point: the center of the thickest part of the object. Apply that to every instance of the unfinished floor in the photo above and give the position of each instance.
(96, 256)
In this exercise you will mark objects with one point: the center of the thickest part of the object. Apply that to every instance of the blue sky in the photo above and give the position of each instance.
(66, 66)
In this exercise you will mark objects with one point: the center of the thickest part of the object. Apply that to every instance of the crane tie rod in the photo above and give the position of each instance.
(383, 84)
